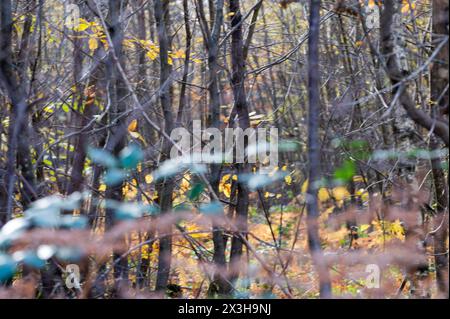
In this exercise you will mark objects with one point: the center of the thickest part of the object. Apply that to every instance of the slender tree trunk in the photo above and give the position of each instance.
(85, 98)
(314, 161)
(440, 96)
(440, 222)
(117, 135)
(211, 39)
(165, 186)
(183, 95)
(241, 108)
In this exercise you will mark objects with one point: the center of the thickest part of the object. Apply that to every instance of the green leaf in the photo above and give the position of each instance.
(196, 191)
(359, 149)
(345, 172)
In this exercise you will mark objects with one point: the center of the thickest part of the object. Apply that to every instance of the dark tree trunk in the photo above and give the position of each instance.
(314, 161)
(211, 39)
(165, 186)
(440, 96)
(117, 135)
(18, 148)
(85, 98)
(241, 109)
(183, 95)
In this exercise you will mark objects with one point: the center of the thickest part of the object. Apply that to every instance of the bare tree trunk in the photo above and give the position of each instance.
(211, 40)
(183, 96)
(85, 98)
(117, 135)
(440, 96)
(314, 150)
(395, 63)
(241, 109)
(440, 223)
(18, 148)
(166, 186)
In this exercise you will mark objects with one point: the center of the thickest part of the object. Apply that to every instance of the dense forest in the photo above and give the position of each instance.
(251, 149)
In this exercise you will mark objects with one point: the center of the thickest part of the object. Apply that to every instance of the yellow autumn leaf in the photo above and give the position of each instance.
(288, 180)
(358, 179)
(138, 136)
(185, 183)
(192, 228)
(179, 54)
(363, 194)
(305, 187)
(132, 127)
(152, 55)
(408, 6)
(102, 188)
(129, 192)
(323, 194)
(340, 193)
(397, 229)
(82, 26)
(270, 195)
(93, 44)
(225, 189)
(149, 178)
(364, 227)
(225, 184)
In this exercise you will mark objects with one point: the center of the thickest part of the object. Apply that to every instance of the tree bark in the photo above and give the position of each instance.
(440, 99)
(18, 154)
(116, 140)
(166, 185)
(241, 109)
(314, 161)
(396, 73)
